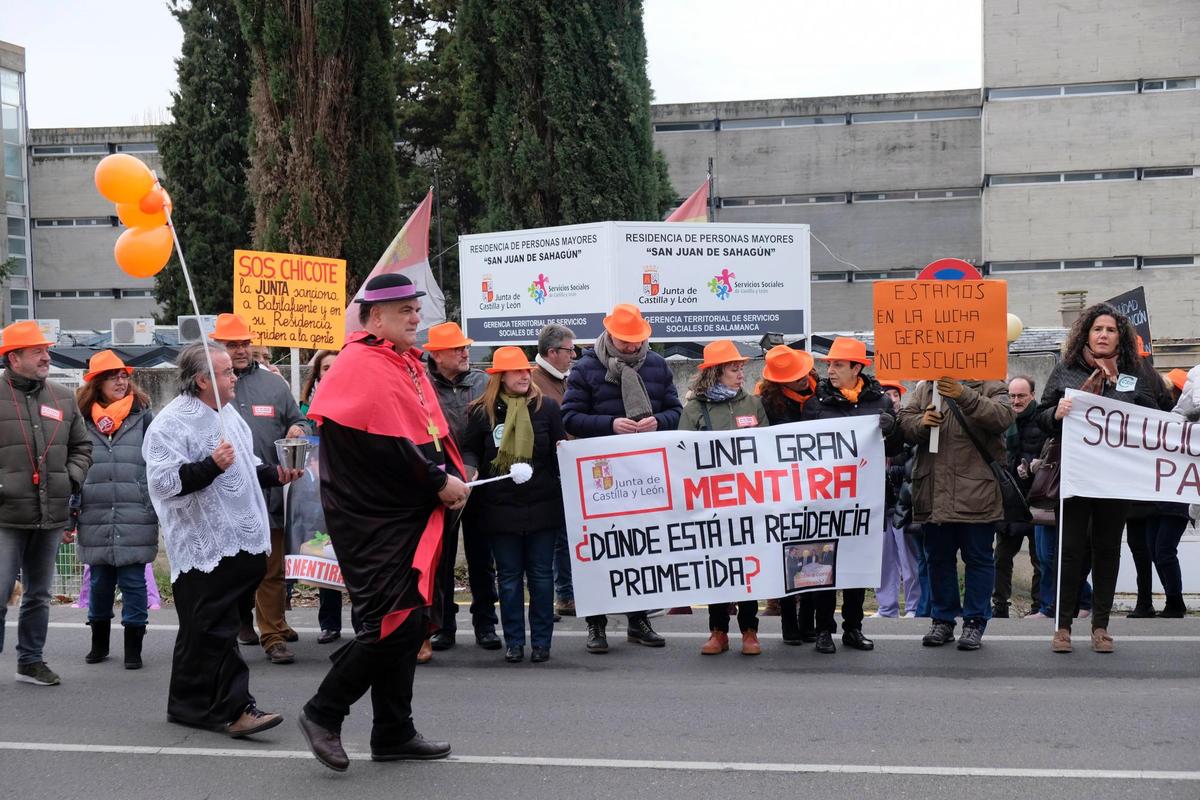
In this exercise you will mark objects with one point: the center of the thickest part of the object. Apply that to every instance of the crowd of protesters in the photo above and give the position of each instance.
(102, 468)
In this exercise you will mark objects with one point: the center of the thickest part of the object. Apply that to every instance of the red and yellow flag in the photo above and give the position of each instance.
(694, 209)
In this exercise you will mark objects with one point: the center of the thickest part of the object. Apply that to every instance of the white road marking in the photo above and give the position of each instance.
(628, 763)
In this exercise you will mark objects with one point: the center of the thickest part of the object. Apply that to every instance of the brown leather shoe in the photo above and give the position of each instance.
(717, 643)
(750, 645)
(425, 654)
(1101, 641)
(325, 744)
(1061, 643)
(252, 721)
(280, 653)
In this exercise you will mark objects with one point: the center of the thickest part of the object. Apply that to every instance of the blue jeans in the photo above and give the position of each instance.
(1162, 538)
(522, 557)
(1046, 540)
(943, 542)
(132, 580)
(925, 603)
(31, 553)
(563, 588)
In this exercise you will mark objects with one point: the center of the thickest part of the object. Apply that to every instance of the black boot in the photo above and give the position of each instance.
(597, 641)
(1175, 608)
(1141, 611)
(100, 632)
(133, 646)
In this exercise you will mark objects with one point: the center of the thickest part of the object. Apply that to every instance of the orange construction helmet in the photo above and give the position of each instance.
(20, 335)
(785, 364)
(447, 336)
(846, 349)
(721, 352)
(897, 385)
(104, 361)
(626, 323)
(231, 328)
(509, 359)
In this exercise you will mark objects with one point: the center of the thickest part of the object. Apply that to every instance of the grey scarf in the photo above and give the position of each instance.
(622, 370)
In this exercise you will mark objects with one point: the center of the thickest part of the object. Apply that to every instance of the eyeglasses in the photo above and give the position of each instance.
(117, 376)
(573, 351)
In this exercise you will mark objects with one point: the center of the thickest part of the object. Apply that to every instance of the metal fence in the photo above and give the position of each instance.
(68, 573)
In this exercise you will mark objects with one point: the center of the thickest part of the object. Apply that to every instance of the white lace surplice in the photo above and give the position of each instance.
(224, 518)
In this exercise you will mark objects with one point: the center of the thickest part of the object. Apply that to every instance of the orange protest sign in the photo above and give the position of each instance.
(291, 300)
(925, 330)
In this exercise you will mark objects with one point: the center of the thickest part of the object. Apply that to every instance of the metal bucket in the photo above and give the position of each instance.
(292, 453)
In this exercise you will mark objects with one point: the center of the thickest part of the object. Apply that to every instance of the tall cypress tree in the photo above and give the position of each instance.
(557, 98)
(204, 154)
(323, 171)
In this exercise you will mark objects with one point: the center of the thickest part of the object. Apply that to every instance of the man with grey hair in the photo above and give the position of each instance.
(555, 355)
(206, 485)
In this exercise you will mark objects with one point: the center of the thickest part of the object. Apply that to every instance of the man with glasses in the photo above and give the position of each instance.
(265, 402)
(556, 353)
(457, 386)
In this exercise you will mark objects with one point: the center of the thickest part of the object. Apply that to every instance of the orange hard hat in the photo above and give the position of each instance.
(447, 336)
(104, 361)
(1178, 378)
(231, 328)
(721, 352)
(785, 364)
(509, 359)
(22, 334)
(626, 323)
(897, 385)
(846, 349)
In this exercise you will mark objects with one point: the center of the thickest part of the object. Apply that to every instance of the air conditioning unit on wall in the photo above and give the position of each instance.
(196, 329)
(132, 331)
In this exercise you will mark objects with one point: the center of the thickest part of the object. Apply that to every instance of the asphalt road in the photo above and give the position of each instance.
(903, 721)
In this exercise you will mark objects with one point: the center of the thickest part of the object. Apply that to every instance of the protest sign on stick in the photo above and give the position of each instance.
(666, 519)
(291, 300)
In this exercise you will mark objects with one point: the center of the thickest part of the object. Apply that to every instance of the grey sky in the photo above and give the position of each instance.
(96, 62)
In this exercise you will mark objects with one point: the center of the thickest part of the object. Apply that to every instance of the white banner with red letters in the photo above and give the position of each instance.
(1114, 449)
(656, 520)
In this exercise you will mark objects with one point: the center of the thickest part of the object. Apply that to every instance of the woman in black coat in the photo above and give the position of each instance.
(513, 423)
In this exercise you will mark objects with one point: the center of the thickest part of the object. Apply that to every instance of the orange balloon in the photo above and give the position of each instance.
(123, 179)
(132, 216)
(153, 201)
(142, 252)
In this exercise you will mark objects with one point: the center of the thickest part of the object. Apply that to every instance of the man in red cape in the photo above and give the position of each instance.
(389, 472)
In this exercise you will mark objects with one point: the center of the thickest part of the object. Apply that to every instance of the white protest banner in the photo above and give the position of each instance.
(513, 283)
(666, 519)
(693, 281)
(1114, 449)
(697, 282)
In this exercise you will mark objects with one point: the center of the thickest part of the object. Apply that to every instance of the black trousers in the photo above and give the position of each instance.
(1095, 525)
(747, 616)
(210, 683)
(602, 619)
(825, 602)
(1007, 548)
(1143, 562)
(797, 615)
(386, 668)
(481, 577)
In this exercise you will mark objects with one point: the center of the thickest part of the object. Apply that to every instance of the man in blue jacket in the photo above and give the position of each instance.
(619, 387)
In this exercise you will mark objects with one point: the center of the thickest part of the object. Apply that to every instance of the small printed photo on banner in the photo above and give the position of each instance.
(810, 565)
(617, 484)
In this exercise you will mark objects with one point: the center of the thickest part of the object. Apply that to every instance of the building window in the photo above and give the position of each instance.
(18, 304)
(829, 277)
(137, 147)
(10, 87)
(808, 199)
(1110, 175)
(14, 190)
(910, 116)
(69, 150)
(874, 197)
(57, 295)
(746, 124)
(130, 294)
(1024, 266)
(1154, 173)
(737, 202)
(1128, 262)
(1101, 263)
(96, 294)
(1062, 90)
(883, 275)
(793, 122)
(16, 227)
(1169, 85)
(947, 194)
(1008, 180)
(679, 127)
(1153, 262)
(14, 160)
(75, 222)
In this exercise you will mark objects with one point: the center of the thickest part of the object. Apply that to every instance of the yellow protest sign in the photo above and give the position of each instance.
(291, 300)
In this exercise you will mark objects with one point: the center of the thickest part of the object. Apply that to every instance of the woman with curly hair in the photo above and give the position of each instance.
(1100, 356)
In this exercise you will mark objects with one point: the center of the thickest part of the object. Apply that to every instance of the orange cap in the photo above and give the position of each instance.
(231, 328)
(509, 359)
(626, 323)
(846, 349)
(899, 387)
(721, 352)
(104, 361)
(22, 334)
(447, 336)
(785, 364)
(1178, 378)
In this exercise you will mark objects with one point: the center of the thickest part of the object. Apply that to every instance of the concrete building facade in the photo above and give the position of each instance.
(1075, 167)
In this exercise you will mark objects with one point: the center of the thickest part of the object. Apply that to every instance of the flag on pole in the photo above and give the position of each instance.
(694, 209)
(409, 254)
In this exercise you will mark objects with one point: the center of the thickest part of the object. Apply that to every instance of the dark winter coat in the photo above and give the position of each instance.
(31, 430)
(1071, 375)
(504, 506)
(830, 403)
(117, 523)
(1024, 441)
(455, 395)
(592, 404)
(265, 401)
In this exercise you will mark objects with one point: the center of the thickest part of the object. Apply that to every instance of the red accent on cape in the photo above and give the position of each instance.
(348, 396)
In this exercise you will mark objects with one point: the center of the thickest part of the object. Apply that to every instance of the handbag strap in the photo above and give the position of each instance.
(707, 419)
(962, 421)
